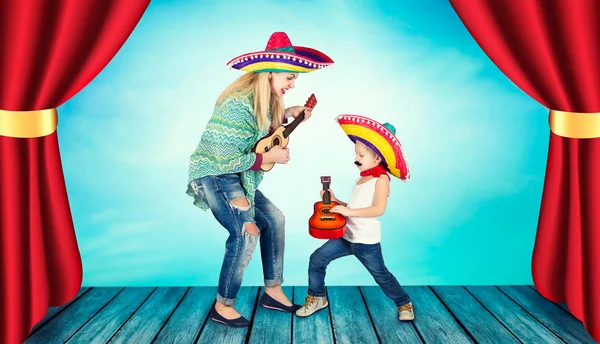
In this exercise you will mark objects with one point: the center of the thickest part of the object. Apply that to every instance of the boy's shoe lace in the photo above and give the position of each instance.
(311, 305)
(406, 312)
(309, 301)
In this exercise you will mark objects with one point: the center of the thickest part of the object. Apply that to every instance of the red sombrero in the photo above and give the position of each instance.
(381, 138)
(281, 56)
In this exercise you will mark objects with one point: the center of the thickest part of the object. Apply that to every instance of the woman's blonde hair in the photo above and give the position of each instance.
(259, 85)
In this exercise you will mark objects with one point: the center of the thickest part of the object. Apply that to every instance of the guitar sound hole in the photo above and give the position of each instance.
(325, 211)
(276, 141)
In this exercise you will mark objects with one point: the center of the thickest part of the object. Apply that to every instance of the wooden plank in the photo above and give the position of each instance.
(477, 320)
(521, 323)
(269, 324)
(433, 321)
(351, 321)
(315, 329)
(149, 319)
(556, 319)
(53, 311)
(71, 319)
(564, 306)
(107, 322)
(186, 322)
(214, 332)
(559, 304)
(385, 318)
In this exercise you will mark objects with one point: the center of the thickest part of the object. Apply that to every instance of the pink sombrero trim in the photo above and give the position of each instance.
(262, 54)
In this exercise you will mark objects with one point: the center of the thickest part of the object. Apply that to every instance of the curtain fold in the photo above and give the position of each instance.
(50, 51)
(551, 50)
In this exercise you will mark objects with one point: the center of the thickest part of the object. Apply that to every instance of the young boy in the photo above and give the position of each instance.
(378, 151)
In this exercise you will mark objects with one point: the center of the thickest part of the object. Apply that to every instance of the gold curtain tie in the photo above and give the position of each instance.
(28, 124)
(575, 125)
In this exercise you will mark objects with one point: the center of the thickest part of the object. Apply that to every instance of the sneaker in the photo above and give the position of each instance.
(406, 312)
(311, 305)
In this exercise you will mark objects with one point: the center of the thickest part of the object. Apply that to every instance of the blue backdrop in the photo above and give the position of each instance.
(476, 144)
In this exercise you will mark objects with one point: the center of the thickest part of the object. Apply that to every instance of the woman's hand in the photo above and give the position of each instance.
(340, 209)
(277, 155)
(294, 111)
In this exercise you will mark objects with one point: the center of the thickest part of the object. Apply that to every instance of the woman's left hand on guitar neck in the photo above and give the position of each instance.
(294, 111)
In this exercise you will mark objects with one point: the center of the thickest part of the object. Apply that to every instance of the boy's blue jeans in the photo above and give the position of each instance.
(369, 255)
(219, 192)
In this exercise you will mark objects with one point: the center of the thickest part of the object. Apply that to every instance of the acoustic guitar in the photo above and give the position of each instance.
(324, 224)
(280, 136)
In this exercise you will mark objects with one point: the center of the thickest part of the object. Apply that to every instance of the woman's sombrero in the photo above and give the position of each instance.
(381, 138)
(281, 56)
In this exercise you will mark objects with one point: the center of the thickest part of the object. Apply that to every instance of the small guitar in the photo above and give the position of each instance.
(280, 137)
(324, 224)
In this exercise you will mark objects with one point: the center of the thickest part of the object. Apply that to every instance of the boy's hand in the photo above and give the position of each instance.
(332, 198)
(340, 209)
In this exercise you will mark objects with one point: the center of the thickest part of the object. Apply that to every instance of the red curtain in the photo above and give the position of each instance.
(551, 50)
(50, 51)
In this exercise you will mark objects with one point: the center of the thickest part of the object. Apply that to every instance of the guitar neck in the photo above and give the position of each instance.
(290, 127)
(326, 194)
(311, 102)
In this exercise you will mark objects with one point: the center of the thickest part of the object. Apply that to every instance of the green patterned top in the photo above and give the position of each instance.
(226, 146)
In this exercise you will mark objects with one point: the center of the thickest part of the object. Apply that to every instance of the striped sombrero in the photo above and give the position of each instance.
(281, 56)
(381, 138)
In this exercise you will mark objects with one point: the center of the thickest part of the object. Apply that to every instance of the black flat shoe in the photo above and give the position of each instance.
(269, 302)
(237, 322)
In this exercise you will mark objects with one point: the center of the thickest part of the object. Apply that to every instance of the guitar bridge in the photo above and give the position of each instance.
(327, 218)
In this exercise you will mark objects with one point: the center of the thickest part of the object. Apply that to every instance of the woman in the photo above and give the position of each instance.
(224, 173)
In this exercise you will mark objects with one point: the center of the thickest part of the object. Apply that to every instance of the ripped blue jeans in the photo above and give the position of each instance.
(219, 192)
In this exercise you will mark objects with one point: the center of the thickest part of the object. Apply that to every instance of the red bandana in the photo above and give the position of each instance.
(376, 172)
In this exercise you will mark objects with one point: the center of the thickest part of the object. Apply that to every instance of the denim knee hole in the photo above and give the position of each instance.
(252, 231)
(242, 204)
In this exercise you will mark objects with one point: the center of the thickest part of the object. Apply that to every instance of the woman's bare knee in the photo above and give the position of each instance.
(251, 228)
(241, 203)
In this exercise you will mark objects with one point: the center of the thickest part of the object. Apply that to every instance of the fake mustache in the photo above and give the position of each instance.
(357, 163)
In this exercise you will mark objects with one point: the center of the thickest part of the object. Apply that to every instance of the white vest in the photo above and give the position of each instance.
(363, 230)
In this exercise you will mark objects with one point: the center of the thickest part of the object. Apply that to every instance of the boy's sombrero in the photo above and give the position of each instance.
(281, 56)
(381, 138)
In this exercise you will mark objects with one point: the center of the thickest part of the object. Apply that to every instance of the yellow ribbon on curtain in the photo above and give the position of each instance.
(28, 124)
(575, 125)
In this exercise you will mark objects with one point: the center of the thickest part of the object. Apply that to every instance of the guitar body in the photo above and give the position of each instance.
(280, 136)
(264, 145)
(325, 225)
